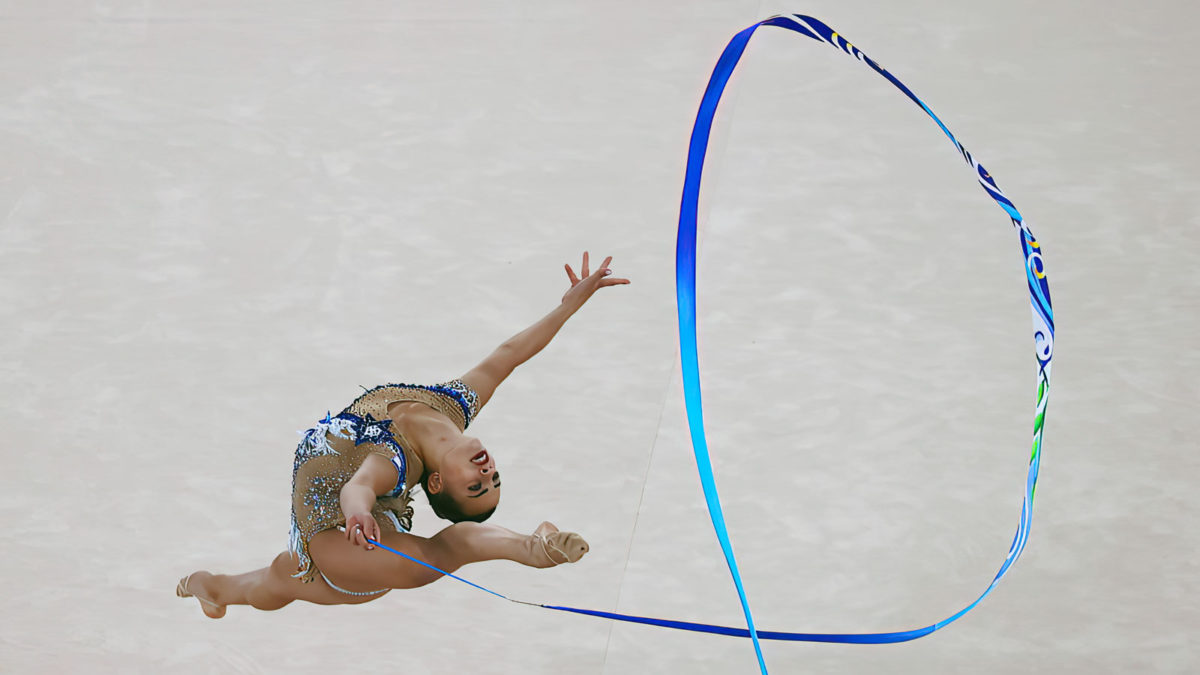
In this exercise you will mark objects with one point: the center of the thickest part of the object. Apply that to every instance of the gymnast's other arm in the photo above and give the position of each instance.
(376, 476)
(485, 377)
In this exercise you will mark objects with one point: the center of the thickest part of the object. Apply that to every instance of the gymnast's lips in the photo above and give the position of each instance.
(481, 458)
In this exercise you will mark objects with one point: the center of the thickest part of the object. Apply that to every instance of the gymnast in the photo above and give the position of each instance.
(353, 477)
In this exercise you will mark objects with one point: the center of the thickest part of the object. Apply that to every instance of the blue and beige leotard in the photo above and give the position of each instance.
(330, 453)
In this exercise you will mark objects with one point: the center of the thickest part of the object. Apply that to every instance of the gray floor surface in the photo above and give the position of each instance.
(218, 220)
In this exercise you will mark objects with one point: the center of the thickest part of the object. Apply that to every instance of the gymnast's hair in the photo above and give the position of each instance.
(446, 508)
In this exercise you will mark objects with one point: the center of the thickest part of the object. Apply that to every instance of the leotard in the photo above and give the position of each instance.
(331, 452)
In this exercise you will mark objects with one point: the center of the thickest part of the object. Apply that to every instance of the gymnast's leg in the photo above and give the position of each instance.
(356, 568)
(267, 588)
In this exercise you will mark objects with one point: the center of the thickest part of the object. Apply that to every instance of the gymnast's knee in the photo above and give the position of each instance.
(275, 591)
(284, 565)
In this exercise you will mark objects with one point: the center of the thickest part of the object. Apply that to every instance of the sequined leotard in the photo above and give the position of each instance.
(330, 453)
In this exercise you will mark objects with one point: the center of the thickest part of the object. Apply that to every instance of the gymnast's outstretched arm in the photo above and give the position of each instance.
(485, 377)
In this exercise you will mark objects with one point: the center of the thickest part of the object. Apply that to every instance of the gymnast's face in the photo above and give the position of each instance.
(469, 477)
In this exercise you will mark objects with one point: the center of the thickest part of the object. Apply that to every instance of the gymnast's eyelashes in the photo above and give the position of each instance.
(467, 484)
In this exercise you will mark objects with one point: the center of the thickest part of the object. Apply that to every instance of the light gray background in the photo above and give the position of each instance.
(219, 219)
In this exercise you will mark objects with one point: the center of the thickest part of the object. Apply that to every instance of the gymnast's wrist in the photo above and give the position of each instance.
(567, 309)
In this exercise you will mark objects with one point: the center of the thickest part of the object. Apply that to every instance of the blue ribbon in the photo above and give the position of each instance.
(685, 261)
(685, 267)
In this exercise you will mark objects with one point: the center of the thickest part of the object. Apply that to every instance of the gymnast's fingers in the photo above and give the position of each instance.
(603, 270)
(584, 271)
(571, 275)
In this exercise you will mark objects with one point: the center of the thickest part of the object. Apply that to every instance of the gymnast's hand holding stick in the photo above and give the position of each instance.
(354, 473)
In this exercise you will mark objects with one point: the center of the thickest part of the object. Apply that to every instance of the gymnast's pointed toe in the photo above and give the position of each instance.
(210, 608)
(561, 547)
(573, 545)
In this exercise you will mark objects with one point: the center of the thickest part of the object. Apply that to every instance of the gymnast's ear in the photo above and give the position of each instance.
(433, 483)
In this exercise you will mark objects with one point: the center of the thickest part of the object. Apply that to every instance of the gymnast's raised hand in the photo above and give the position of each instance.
(582, 289)
(354, 474)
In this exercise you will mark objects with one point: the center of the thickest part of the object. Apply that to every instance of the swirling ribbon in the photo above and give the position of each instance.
(685, 269)
(685, 276)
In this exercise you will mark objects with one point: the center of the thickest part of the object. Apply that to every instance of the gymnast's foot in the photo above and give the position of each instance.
(199, 582)
(551, 547)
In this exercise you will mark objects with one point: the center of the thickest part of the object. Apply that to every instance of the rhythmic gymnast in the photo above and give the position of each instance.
(353, 477)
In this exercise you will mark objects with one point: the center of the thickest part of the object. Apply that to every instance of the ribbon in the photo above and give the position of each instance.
(685, 268)
(685, 278)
